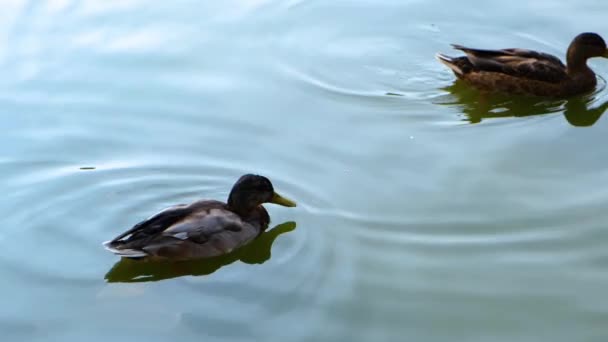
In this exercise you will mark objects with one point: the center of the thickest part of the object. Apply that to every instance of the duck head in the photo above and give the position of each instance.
(584, 46)
(250, 191)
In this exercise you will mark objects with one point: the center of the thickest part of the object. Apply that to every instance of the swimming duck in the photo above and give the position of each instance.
(202, 229)
(527, 72)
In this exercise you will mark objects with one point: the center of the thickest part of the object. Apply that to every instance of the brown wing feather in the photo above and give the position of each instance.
(519, 63)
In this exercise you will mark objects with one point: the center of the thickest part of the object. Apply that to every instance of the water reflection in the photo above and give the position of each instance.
(477, 106)
(257, 252)
(579, 114)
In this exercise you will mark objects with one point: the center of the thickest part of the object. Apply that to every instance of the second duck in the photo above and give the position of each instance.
(528, 72)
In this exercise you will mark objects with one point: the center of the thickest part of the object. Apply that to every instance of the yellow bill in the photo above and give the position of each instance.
(280, 200)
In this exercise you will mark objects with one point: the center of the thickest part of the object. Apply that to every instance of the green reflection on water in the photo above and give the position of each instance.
(257, 252)
(478, 106)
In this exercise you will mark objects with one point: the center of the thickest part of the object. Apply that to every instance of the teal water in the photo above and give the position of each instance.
(429, 215)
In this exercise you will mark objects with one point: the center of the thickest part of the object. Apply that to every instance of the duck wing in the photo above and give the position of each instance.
(156, 223)
(204, 234)
(202, 229)
(521, 63)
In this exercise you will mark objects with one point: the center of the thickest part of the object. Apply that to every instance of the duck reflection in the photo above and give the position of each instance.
(257, 252)
(478, 106)
(579, 114)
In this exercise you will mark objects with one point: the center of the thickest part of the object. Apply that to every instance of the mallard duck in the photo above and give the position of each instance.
(202, 229)
(528, 72)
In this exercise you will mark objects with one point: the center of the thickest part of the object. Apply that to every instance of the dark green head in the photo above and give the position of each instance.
(250, 191)
(584, 46)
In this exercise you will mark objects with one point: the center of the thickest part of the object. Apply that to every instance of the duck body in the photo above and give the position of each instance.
(202, 229)
(528, 72)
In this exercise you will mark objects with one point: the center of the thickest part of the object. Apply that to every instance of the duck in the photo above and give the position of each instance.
(202, 229)
(528, 72)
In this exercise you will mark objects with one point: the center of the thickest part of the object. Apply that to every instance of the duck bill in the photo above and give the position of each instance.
(280, 200)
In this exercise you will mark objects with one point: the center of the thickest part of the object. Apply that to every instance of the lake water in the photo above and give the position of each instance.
(425, 213)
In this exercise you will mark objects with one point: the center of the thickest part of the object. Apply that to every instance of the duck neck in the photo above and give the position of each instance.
(239, 206)
(577, 62)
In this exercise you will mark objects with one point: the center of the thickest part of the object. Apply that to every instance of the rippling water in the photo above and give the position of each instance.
(426, 213)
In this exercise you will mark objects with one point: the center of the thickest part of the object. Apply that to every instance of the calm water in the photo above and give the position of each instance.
(431, 215)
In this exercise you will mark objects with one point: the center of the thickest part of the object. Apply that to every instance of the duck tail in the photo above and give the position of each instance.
(450, 63)
(114, 247)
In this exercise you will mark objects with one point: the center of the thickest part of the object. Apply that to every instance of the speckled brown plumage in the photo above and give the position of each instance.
(527, 72)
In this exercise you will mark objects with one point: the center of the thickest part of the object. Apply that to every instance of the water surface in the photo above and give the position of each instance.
(433, 215)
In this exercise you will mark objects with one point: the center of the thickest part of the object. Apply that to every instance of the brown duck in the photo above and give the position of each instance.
(202, 229)
(527, 72)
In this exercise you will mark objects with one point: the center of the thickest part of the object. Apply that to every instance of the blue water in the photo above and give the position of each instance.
(424, 213)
